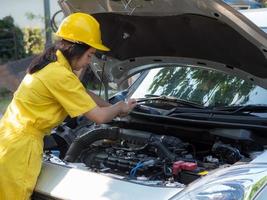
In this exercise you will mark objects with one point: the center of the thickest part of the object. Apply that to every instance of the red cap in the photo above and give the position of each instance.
(177, 167)
(181, 165)
(189, 166)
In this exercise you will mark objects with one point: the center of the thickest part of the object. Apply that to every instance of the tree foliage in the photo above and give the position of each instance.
(205, 87)
(34, 40)
(11, 40)
(16, 43)
(34, 37)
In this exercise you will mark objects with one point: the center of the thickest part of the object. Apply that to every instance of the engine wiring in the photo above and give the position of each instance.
(134, 170)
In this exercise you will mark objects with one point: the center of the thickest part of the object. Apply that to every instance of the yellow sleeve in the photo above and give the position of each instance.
(70, 93)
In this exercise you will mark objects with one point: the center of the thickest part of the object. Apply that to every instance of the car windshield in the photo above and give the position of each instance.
(202, 86)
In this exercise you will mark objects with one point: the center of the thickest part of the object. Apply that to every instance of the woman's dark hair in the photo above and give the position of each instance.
(70, 51)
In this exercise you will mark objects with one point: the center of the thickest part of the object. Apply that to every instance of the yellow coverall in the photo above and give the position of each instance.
(42, 101)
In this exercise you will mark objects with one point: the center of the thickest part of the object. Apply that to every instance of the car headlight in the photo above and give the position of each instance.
(222, 191)
(236, 182)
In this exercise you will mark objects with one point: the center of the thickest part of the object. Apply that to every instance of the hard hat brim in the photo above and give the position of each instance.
(96, 46)
(100, 47)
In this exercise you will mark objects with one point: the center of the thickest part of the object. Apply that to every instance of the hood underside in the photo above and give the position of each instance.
(202, 30)
(187, 35)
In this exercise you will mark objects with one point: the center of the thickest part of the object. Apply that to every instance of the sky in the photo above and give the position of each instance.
(18, 9)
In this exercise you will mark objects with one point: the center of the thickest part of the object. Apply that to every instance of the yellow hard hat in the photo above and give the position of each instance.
(81, 27)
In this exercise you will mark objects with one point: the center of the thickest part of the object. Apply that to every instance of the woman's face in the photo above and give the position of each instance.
(84, 60)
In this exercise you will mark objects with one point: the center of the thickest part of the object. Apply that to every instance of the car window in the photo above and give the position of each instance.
(128, 82)
(202, 86)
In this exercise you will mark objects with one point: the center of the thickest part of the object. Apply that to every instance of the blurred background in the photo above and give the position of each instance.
(25, 31)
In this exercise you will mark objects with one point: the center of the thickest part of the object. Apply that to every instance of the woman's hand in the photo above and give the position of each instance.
(126, 107)
(102, 115)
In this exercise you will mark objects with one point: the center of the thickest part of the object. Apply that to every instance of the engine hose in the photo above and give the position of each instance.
(85, 140)
(135, 137)
(162, 150)
(114, 133)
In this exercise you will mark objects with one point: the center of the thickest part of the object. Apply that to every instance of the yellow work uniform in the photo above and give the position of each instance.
(42, 101)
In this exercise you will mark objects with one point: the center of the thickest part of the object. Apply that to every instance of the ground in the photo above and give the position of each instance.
(11, 74)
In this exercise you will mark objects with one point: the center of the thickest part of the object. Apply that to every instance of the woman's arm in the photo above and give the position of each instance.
(99, 101)
(102, 115)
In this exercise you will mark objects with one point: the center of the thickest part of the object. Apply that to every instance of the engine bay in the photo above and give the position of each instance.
(161, 157)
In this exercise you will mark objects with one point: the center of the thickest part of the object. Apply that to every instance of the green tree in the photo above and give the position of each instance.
(34, 40)
(11, 40)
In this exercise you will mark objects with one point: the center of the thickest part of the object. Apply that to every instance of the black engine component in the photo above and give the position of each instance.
(126, 151)
(235, 134)
(127, 135)
(116, 159)
(84, 141)
(227, 153)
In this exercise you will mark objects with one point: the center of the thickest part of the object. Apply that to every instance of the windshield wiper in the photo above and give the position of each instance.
(152, 97)
(244, 108)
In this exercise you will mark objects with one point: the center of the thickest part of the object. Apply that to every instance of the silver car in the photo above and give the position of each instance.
(198, 69)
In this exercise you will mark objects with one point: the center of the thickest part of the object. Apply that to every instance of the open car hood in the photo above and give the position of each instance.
(147, 33)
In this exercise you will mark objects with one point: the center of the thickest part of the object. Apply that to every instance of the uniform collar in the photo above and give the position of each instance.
(62, 60)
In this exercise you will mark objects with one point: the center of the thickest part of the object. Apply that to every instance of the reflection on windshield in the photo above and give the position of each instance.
(202, 86)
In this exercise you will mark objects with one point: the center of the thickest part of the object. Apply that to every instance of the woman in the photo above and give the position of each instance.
(49, 92)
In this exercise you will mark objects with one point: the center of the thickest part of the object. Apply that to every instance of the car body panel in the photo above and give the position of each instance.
(62, 182)
(252, 177)
(70, 183)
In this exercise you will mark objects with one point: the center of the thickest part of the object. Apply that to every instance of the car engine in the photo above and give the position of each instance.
(147, 157)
